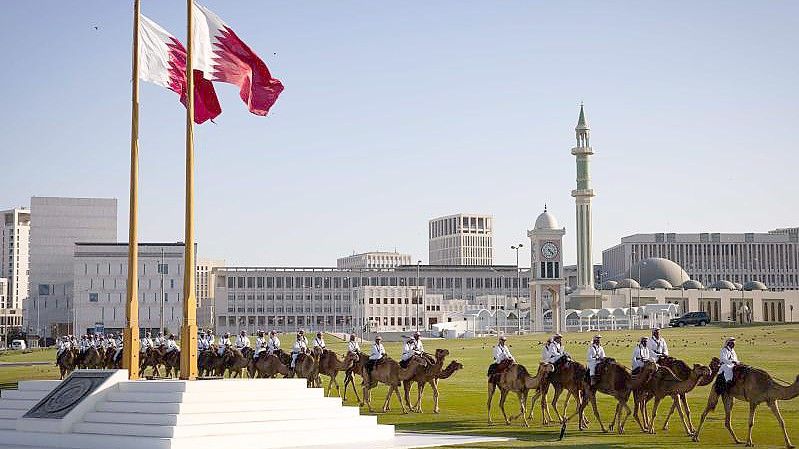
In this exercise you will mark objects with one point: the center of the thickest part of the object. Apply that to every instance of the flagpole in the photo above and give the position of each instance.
(188, 334)
(130, 339)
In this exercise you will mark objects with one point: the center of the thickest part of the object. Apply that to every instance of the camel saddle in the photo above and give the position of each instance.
(496, 369)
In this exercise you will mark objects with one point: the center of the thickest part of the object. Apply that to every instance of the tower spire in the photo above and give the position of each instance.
(581, 123)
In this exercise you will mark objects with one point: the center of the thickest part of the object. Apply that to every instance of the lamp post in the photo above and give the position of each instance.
(418, 291)
(518, 285)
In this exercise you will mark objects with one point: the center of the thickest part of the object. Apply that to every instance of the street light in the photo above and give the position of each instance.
(518, 284)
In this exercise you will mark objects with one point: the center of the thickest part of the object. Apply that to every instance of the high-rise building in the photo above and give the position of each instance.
(15, 255)
(708, 257)
(461, 239)
(582, 198)
(374, 259)
(56, 225)
(205, 283)
(100, 286)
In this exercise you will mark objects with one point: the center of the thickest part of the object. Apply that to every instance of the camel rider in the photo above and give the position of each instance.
(502, 351)
(413, 346)
(273, 345)
(595, 355)
(224, 342)
(553, 349)
(74, 342)
(242, 341)
(304, 338)
(657, 345)
(84, 344)
(300, 347)
(145, 343)
(202, 342)
(160, 340)
(209, 337)
(641, 354)
(171, 345)
(353, 346)
(729, 359)
(378, 352)
(63, 346)
(319, 342)
(260, 345)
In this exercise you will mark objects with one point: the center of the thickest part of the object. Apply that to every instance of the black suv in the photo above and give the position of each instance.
(695, 318)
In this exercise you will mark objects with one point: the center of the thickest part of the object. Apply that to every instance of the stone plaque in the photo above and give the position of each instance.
(68, 394)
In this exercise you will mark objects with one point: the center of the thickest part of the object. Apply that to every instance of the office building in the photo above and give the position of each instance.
(15, 259)
(375, 259)
(461, 239)
(205, 282)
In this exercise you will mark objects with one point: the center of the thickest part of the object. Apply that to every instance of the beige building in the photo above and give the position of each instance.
(461, 239)
(374, 259)
(205, 282)
(15, 255)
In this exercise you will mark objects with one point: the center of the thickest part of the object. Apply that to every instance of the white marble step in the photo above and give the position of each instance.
(163, 419)
(237, 396)
(213, 407)
(18, 404)
(273, 428)
(42, 385)
(11, 413)
(176, 386)
(36, 395)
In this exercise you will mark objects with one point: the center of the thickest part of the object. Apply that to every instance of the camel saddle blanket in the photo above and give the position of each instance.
(496, 369)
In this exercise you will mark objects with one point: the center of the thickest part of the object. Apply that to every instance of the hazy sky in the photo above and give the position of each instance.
(396, 112)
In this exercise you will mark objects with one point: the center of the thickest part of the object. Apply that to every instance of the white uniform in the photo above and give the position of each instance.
(224, 342)
(273, 344)
(202, 343)
(411, 348)
(640, 355)
(260, 346)
(353, 347)
(210, 339)
(300, 346)
(171, 346)
(502, 352)
(728, 359)
(657, 347)
(160, 341)
(377, 351)
(552, 352)
(242, 342)
(595, 354)
(63, 345)
(145, 343)
(84, 345)
(319, 342)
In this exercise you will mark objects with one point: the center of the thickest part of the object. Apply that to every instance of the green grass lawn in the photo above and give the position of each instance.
(463, 396)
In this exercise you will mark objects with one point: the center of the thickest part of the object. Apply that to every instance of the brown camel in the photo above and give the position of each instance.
(91, 358)
(150, 358)
(569, 375)
(236, 360)
(171, 362)
(517, 379)
(615, 380)
(330, 365)
(754, 386)
(389, 372)
(665, 383)
(682, 371)
(268, 366)
(453, 367)
(307, 367)
(349, 376)
(424, 375)
(66, 363)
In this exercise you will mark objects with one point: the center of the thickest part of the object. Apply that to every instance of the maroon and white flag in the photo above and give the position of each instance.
(162, 60)
(222, 56)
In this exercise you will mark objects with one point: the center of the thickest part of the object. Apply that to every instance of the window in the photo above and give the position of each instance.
(231, 282)
(44, 290)
(93, 297)
(163, 268)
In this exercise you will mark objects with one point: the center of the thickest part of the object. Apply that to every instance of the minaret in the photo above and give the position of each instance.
(582, 198)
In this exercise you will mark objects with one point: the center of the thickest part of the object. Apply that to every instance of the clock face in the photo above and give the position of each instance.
(549, 250)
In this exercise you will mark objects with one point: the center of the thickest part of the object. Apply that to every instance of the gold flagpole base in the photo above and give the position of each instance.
(188, 352)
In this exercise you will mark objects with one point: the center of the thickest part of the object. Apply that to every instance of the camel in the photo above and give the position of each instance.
(349, 376)
(432, 379)
(150, 358)
(388, 372)
(569, 375)
(307, 367)
(91, 358)
(330, 365)
(267, 366)
(236, 360)
(754, 386)
(682, 371)
(665, 383)
(171, 361)
(423, 375)
(516, 378)
(66, 363)
(615, 380)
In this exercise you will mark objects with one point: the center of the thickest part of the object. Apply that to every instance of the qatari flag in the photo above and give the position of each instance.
(222, 56)
(162, 60)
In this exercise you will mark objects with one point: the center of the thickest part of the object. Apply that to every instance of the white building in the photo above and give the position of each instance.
(375, 259)
(56, 225)
(461, 239)
(15, 255)
(10, 318)
(100, 273)
(205, 282)
(388, 309)
(771, 258)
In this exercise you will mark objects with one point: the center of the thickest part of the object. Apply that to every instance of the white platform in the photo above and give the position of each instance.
(174, 414)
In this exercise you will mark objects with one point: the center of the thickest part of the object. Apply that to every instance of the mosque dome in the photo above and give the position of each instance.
(609, 285)
(628, 283)
(546, 221)
(659, 283)
(692, 285)
(648, 270)
(723, 285)
(754, 285)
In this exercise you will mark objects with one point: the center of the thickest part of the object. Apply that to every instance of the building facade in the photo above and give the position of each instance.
(56, 225)
(375, 259)
(461, 239)
(286, 299)
(771, 258)
(15, 260)
(205, 282)
(100, 273)
(10, 318)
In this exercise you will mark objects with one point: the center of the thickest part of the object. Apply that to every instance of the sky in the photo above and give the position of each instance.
(397, 112)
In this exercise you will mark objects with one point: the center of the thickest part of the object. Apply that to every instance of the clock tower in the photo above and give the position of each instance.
(547, 284)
